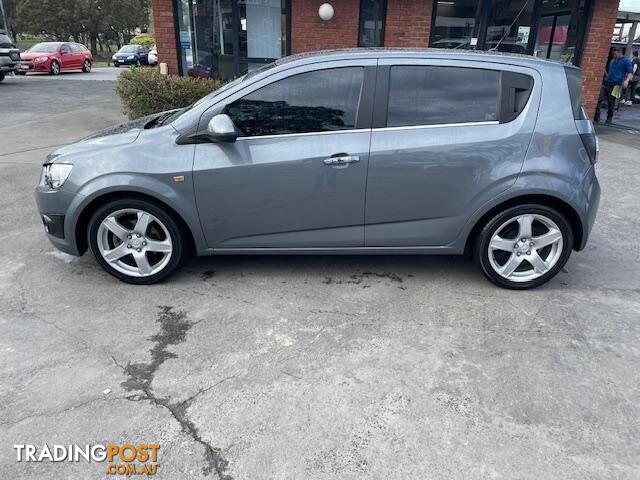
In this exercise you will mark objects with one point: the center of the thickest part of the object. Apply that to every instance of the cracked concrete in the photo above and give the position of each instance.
(315, 367)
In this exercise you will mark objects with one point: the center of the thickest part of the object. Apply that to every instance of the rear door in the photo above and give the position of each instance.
(296, 176)
(447, 137)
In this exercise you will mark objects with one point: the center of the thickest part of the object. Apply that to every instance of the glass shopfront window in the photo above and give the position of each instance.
(225, 38)
(551, 29)
(372, 18)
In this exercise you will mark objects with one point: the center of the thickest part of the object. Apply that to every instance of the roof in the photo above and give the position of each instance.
(501, 57)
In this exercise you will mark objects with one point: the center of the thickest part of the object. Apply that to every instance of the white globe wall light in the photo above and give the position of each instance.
(326, 12)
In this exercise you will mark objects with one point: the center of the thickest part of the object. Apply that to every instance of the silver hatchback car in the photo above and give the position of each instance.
(342, 152)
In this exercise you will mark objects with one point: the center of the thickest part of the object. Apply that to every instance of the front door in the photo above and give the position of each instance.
(447, 143)
(296, 176)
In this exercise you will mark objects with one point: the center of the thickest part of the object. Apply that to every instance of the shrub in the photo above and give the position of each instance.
(145, 39)
(145, 91)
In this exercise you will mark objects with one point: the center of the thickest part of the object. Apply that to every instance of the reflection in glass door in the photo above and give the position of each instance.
(225, 38)
(509, 26)
(553, 34)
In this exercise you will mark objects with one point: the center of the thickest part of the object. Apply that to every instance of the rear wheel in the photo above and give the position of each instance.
(136, 241)
(55, 68)
(86, 66)
(1, 76)
(524, 246)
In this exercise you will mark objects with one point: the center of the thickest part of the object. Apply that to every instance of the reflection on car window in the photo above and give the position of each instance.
(44, 48)
(128, 49)
(431, 95)
(319, 101)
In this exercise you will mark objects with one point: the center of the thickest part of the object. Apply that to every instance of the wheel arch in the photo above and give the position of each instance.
(82, 222)
(556, 203)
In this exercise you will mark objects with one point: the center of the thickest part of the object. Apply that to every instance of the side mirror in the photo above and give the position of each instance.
(221, 129)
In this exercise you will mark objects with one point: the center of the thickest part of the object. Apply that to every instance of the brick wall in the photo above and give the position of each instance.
(309, 32)
(596, 49)
(165, 33)
(408, 23)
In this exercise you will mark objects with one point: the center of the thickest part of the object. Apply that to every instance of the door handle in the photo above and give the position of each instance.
(341, 159)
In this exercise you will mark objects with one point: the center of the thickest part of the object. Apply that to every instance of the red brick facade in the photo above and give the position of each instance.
(408, 23)
(309, 32)
(165, 34)
(596, 49)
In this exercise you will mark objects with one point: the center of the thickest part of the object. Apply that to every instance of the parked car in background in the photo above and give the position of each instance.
(9, 55)
(313, 155)
(131, 55)
(153, 56)
(55, 57)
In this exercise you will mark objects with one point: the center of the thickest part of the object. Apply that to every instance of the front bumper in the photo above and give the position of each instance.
(125, 62)
(53, 207)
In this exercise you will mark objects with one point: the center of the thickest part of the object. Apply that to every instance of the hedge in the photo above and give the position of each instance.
(145, 91)
(145, 39)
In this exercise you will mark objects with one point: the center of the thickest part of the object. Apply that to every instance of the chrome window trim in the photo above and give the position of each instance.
(329, 132)
(436, 125)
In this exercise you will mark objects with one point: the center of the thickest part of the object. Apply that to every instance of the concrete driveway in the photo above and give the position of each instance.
(313, 367)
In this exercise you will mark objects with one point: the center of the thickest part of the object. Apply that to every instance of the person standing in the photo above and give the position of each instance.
(619, 74)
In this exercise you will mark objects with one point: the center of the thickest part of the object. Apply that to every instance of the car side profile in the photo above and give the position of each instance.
(55, 57)
(342, 152)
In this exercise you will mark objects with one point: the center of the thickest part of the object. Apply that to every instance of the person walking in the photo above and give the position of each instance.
(635, 63)
(619, 74)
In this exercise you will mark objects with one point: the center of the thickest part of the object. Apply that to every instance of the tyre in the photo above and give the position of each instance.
(1, 76)
(138, 64)
(116, 64)
(55, 68)
(524, 246)
(86, 66)
(21, 73)
(136, 241)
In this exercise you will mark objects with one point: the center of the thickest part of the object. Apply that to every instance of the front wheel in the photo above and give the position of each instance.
(524, 246)
(55, 68)
(136, 241)
(86, 66)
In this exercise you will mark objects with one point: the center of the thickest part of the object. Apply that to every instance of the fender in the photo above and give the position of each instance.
(177, 195)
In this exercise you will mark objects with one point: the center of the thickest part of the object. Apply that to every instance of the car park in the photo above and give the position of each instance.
(344, 152)
(9, 55)
(55, 57)
(131, 55)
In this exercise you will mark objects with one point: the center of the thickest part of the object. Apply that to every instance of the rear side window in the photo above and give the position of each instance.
(319, 101)
(74, 47)
(432, 95)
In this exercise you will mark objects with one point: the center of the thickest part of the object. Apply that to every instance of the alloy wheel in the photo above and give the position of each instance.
(55, 68)
(134, 242)
(87, 66)
(525, 247)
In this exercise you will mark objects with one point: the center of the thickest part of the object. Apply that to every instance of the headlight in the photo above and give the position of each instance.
(55, 174)
(41, 59)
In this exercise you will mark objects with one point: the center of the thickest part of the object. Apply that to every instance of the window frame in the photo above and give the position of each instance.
(365, 105)
(381, 102)
(384, 24)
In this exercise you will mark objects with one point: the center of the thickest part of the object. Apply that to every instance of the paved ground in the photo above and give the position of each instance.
(314, 367)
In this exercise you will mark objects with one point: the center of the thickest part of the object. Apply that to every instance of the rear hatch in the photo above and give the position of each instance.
(583, 124)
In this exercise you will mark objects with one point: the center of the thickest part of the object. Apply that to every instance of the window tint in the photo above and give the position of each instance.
(319, 101)
(433, 95)
(65, 48)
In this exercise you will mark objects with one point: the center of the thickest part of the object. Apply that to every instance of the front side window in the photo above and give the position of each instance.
(319, 101)
(432, 95)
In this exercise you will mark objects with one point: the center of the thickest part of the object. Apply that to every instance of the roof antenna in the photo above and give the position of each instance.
(494, 49)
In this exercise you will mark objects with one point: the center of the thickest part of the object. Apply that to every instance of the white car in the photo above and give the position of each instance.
(153, 56)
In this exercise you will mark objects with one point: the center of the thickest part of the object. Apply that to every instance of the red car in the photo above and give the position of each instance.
(55, 57)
